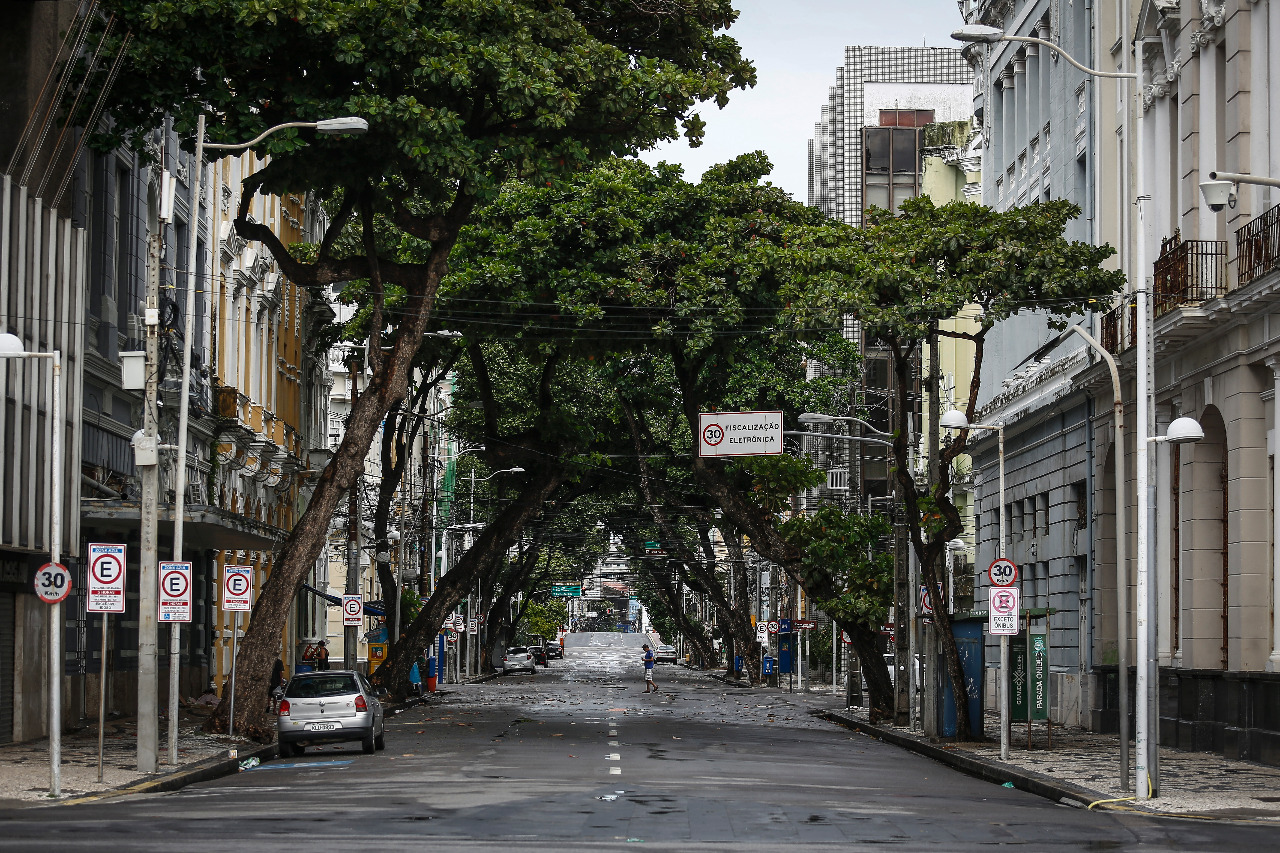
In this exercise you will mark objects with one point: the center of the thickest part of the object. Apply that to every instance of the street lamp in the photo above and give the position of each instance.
(1145, 402)
(471, 518)
(11, 346)
(328, 126)
(957, 420)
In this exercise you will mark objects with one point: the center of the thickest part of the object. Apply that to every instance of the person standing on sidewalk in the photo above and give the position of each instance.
(322, 657)
(648, 670)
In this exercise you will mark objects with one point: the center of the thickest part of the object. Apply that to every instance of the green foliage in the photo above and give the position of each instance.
(846, 564)
(457, 93)
(902, 273)
(410, 604)
(544, 618)
(776, 479)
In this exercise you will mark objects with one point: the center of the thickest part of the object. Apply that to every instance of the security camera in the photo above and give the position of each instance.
(1218, 194)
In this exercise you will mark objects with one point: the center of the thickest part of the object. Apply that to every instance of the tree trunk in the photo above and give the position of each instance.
(489, 547)
(297, 557)
(875, 674)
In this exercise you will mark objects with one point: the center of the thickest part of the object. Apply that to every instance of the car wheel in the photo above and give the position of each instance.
(368, 743)
(286, 749)
(380, 742)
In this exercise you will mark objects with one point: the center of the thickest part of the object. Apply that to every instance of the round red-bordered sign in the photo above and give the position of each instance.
(53, 582)
(1002, 572)
(236, 584)
(174, 584)
(106, 569)
(712, 434)
(353, 607)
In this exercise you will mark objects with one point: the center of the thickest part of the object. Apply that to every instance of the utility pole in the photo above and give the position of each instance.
(147, 459)
(928, 648)
(350, 633)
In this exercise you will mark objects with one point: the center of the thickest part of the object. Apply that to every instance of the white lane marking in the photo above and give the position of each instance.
(613, 732)
(615, 771)
(613, 756)
(613, 743)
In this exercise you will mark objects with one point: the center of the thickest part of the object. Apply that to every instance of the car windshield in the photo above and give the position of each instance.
(666, 648)
(314, 687)
(517, 650)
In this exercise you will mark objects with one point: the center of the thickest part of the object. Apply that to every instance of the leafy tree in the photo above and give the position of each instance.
(684, 287)
(908, 272)
(461, 96)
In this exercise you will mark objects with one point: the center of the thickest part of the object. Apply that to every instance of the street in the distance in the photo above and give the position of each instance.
(577, 757)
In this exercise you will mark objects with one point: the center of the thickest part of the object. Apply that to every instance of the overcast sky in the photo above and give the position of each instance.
(796, 46)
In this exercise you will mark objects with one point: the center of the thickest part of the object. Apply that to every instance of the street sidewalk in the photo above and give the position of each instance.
(1084, 768)
(24, 767)
(1081, 768)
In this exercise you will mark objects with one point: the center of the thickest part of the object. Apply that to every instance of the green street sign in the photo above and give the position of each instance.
(652, 545)
(1029, 679)
(566, 590)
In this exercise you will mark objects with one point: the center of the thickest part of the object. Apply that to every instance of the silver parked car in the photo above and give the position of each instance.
(518, 658)
(329, 707)
(664, 654)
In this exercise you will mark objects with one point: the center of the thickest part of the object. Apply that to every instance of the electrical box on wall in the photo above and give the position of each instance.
(133, 371)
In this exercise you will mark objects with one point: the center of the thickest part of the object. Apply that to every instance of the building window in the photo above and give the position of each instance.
(891, 167)
(905, 118)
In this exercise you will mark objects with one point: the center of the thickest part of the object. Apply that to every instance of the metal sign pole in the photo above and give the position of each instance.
(235, 631)
(102, 689)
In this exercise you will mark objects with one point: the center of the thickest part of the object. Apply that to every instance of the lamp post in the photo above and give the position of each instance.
(345, 125)
(11, 346)
(1145, 402)
(471, 517)
(956, 419)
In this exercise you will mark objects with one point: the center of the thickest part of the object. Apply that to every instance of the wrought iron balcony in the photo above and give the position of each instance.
(1189, 272)
(1258, 246)
(1120, 327)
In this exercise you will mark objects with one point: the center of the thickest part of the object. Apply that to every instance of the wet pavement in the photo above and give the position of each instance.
(577, 757)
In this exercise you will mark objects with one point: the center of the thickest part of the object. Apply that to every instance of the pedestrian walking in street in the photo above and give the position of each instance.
(322, 657)
(276, 691)
(648, 670)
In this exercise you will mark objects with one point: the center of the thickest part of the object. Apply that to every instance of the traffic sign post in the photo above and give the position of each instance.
(53, 582)
(352, 611)
(237, 595)
(1002, 572)
(740, 433)
(175, 592)
(1003, 612)
(106, 579)
(105, 595)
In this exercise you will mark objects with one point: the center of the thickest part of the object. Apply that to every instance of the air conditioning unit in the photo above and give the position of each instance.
(838, 479)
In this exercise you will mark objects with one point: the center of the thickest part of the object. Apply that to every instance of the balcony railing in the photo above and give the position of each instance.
(1258, 246)
(1189, 272)
(1120, 327)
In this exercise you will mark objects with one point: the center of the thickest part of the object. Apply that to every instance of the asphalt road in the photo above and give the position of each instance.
(577, 758)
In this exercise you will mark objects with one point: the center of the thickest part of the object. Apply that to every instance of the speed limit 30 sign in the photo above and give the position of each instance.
(53, 582)
(1003, 572)
(175, 592)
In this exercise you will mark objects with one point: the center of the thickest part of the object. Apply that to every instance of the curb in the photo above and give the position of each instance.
(201, 771)
(1000, 774)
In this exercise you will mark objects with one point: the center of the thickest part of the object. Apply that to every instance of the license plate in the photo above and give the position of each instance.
(321, 727)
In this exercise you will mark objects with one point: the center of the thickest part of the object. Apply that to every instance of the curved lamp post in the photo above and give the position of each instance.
(11, 346)
(1146, 357)
(330, 126)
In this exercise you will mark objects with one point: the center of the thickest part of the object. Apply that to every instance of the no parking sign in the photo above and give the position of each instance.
(106, 578)
(352, 610)
(175, 592)
(237, 587)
